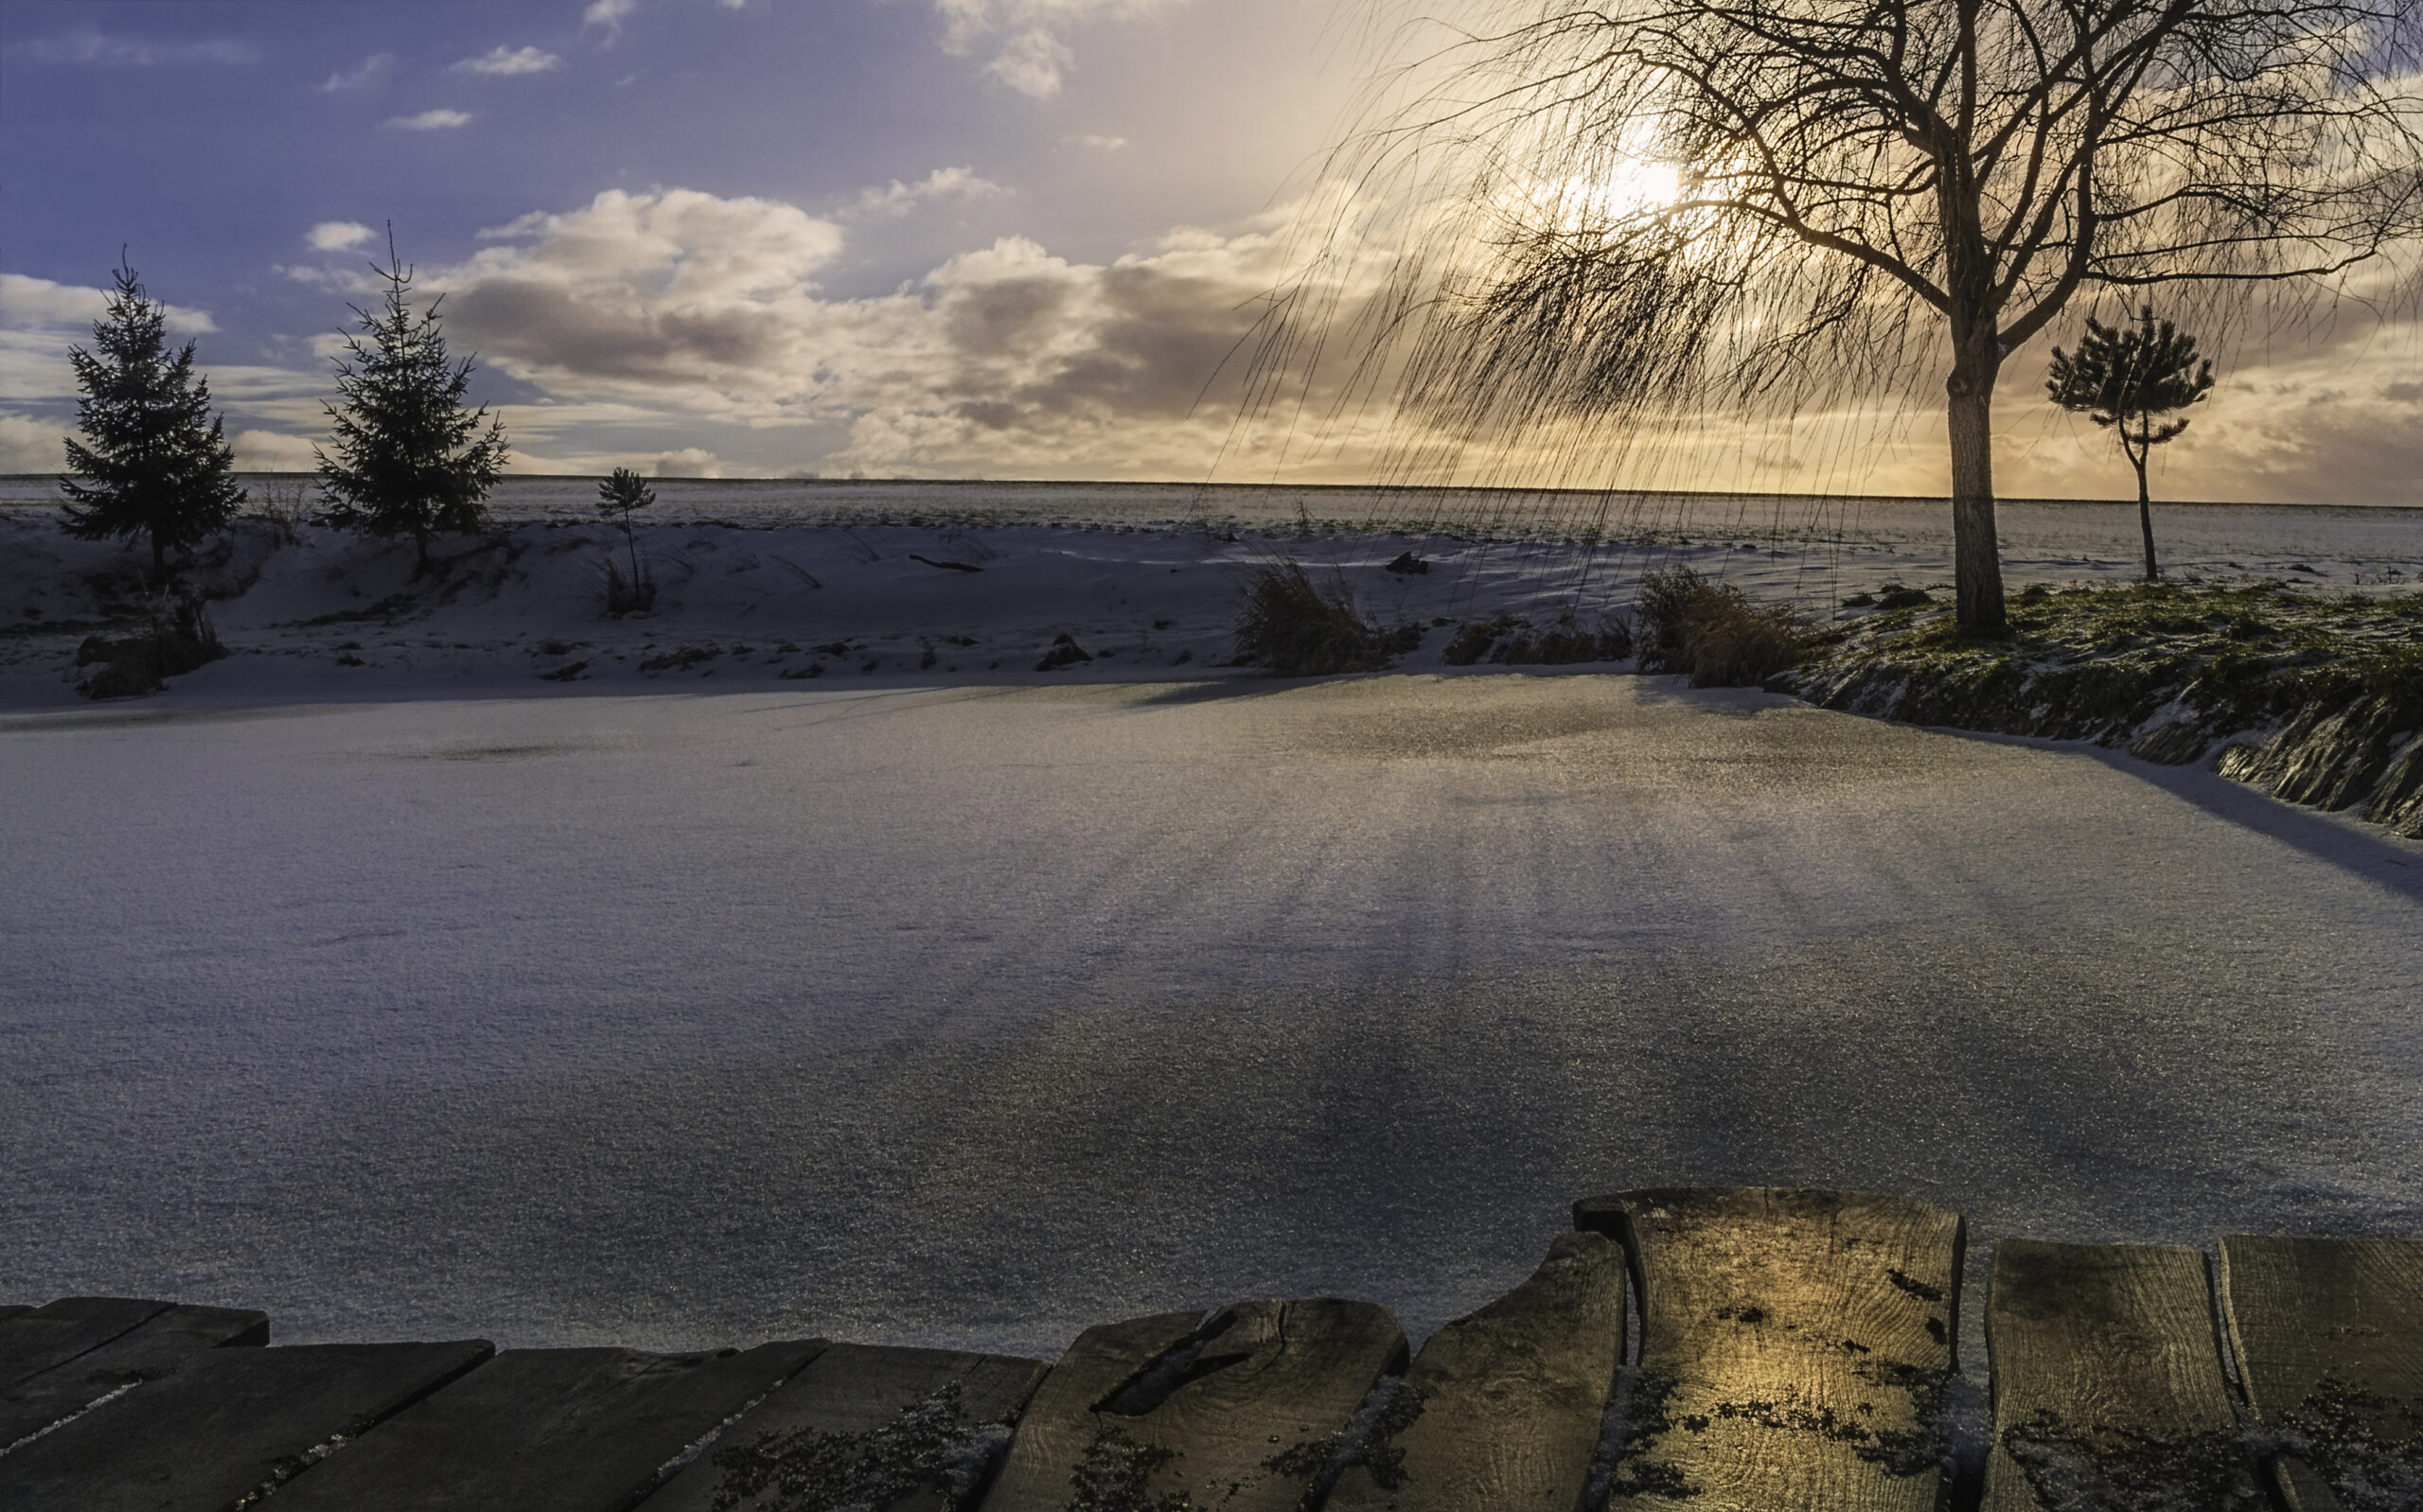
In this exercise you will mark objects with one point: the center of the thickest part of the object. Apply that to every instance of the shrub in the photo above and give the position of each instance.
(178, 638)
(1299, 629)
(1712, 633)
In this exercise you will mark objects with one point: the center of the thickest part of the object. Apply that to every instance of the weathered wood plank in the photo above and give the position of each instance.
(149, 1350)
(1795, 1346)
(2328, 1334)
(47, 1337)
(1239, 1412)
(545, 1431)
(1502, 1409)
(228, 1424)
(891, 1429)
(2108, 1383)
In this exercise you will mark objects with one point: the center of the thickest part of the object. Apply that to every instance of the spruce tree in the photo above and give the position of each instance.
(154, 461)
(410, 458)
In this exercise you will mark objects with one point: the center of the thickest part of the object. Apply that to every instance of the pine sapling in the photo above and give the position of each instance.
(2123, 378)
(623, 492)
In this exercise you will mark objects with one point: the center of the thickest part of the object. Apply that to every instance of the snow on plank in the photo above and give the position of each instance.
(546, 1430)
(898, 1429)
(1795, 1346)
(150, 1349)
(1502, 1410)
(2107, 1384)
(227, 1425)
(46, 1338)
(1239, 1412)
(2328, 1334)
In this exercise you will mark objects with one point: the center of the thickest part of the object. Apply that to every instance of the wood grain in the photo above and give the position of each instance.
(2328, 1334)
(1240, 1413)
(891, 1430)
(46, 1338)
(2108, 1382)
(545, 1431)
(1796, 1348)
(1502, 1409)
(228, 1425)
(150, 1349)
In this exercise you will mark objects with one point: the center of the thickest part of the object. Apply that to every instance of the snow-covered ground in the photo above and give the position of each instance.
(974, 1016)
(964, 1003)
(763, 581)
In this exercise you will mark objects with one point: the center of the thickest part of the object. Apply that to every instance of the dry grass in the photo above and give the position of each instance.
(1713, 634)
(1297, 628)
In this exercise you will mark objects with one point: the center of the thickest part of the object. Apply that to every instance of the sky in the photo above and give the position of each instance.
(1007, 238)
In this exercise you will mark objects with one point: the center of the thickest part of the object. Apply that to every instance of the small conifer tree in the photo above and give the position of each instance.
(624, 491)
(410, 458)
(2124, 378)
(154, 461)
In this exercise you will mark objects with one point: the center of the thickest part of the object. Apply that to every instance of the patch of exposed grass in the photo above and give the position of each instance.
(2167, 670)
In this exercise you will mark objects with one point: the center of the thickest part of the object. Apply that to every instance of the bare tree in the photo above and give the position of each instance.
(1665, 203)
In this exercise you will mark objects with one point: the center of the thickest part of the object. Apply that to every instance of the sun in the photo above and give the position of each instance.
(1609, 193)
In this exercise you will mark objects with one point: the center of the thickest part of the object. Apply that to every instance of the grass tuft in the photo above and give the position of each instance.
(1712, 633)
(1297, 628)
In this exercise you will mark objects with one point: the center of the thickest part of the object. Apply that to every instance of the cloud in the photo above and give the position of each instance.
(30, 304)
(504, 62)
(898, 198)
(438, 120)
(273, 451)
(338, 235)
(690, 462)
(94, 50)
(1093, 143)
(372, 68)
(27, 445)
(1031, 52)
(608, 14)
(1002, 359)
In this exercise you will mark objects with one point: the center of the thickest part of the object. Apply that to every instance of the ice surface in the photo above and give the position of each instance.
(974, 1015)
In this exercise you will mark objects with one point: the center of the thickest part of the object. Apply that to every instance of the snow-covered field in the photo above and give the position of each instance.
(974, 1008)
(763, 581)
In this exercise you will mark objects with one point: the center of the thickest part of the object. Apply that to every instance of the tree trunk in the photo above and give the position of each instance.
(2146, 515)
(420, 543)
(1976, 556)
(159, 555)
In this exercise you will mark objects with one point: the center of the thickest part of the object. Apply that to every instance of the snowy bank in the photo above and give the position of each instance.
(2316, 699)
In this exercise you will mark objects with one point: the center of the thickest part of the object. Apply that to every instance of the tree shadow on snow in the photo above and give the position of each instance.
(2341, 840)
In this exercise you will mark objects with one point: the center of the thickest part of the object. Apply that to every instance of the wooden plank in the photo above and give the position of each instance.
(890, 1430)
(1795, 1346)
(230, 1424)
(150, 1349)
(1502, 1410)
(12, 1310)
(1240, 1413)
(47, 1337)
(546, 1430)
(2108, 1383)
(2328, 1334)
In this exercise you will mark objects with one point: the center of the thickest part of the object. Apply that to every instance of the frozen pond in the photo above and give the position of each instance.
(974, 1016)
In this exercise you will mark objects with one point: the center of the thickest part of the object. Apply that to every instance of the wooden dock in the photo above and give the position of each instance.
(1793, 1350)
